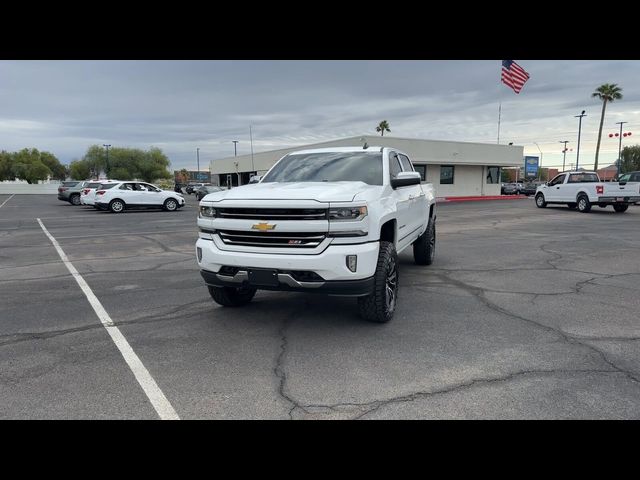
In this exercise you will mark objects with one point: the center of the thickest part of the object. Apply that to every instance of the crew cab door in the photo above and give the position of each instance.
(150, 195)
(401, 198)
(418, 204)
(552, 191)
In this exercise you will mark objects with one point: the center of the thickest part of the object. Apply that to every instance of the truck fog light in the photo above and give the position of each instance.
(352, 262)
(199, 250)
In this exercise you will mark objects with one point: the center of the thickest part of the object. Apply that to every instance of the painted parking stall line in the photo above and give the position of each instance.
(7, 200)
(159, 401)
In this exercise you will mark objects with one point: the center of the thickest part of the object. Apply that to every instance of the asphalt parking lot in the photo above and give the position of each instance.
(526, 313)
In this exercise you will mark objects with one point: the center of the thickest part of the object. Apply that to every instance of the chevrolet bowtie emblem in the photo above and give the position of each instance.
(263, 227)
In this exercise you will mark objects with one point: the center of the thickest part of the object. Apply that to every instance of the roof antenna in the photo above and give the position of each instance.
(365, 146)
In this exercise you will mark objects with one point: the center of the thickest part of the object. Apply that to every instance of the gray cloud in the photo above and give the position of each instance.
(65, 106)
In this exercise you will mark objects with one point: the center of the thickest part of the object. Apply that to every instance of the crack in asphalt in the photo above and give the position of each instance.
(279, 369)
(480, 293)
(14, 338)
(377, 404)
(374, 405)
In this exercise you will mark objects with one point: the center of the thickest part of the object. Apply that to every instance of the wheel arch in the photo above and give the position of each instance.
(388, 231)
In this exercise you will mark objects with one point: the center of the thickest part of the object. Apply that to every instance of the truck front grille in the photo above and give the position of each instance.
(274, 213)
(273, 240)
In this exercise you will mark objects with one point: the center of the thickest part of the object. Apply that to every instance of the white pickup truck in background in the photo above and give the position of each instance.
(326, 221)
(584, 189)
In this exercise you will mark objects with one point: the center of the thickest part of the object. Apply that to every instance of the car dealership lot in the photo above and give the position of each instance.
(525, 313)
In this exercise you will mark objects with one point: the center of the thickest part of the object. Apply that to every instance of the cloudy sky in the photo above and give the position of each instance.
(65, 106)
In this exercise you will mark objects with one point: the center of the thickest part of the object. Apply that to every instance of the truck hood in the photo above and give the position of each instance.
(319, 191)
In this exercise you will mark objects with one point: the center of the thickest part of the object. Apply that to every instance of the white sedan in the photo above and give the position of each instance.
(125, 195)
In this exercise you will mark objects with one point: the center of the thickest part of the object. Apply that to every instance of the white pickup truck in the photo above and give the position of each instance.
(325, 220)
(584, 189)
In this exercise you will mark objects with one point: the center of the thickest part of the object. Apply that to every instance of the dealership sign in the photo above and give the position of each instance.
(531, 167)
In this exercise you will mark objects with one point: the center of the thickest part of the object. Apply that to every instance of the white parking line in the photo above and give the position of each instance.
(7, 200)
(144, 378)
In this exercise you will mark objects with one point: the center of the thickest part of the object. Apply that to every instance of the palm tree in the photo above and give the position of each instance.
(382, 127)
(607, 93)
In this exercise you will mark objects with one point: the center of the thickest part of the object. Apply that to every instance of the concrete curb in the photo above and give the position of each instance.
(477, 199)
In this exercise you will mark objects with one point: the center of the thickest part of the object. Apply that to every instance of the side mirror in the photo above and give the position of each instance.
(405, 179)
(255, 179)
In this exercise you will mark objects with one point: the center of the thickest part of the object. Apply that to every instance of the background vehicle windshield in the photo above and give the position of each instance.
(328, 167)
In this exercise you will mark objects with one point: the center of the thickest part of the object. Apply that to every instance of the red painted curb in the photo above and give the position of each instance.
(476, 199)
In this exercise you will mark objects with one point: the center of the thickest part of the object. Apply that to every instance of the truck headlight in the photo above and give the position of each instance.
(208, 212)
(347, 213)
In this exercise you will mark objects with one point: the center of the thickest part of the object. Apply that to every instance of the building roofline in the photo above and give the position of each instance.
(368, 139)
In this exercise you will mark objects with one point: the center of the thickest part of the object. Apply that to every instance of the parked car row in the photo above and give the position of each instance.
(527, 189)
(117, 196)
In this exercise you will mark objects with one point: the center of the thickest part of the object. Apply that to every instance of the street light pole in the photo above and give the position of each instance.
(235, 148)
(198, 155)
(564, 152)
(620, 147)
(539, 163)
(106, 168)
(579, 129)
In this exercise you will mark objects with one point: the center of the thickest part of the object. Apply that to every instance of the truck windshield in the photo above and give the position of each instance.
(328, 167)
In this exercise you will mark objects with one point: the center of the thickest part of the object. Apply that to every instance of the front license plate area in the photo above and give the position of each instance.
(263, 277)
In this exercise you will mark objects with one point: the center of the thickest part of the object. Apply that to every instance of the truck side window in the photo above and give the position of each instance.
(558, 180)
(394, 165)
(406, 164)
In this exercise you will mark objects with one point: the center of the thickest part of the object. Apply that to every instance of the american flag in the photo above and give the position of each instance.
(513, 75)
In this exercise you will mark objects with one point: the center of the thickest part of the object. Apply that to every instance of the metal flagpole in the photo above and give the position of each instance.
(499, 101)
(499, 115)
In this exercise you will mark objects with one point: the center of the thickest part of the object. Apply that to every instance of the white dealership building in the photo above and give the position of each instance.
(454, 168)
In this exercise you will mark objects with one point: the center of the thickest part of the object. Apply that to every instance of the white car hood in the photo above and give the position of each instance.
(319, 191)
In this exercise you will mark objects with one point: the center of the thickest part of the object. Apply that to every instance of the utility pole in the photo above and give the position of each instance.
(579, 129)
(235, 147)
(564, 152)
(198, 155)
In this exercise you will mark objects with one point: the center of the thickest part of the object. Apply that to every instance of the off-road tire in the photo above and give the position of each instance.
(620, 208)
(424, 248)
(232, 296)
(540, 203)
(377, 307)
(584, 205)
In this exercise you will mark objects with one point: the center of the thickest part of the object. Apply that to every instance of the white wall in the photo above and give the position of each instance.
(468, 181)
(25, 188)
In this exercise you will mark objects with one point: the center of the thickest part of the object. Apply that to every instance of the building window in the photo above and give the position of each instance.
(422, 169)
(446, 174)
(493, 174)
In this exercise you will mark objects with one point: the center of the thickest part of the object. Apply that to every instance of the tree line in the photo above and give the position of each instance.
(121, 164)
(630, 159)
(32, 165)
